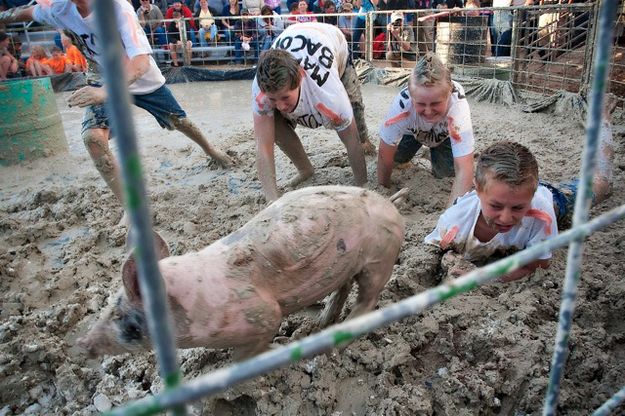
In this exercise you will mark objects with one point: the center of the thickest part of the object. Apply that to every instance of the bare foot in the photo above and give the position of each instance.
(300, 177)
(368, 148)
(222, 159)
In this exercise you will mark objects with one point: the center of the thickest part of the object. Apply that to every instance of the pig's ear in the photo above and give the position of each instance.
(130, 275)
(160, 245)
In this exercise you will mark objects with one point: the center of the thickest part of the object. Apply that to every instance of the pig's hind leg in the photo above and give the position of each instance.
(371, 280)
(333, 308)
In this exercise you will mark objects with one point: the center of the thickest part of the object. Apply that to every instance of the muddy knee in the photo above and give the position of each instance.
(98, 147)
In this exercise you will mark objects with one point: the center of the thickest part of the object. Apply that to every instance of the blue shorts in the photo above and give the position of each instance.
(564, 195)
(441, 156)
(160, 103)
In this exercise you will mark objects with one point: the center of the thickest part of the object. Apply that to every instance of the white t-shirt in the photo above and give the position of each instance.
(402, 118)
(321, 50)
(456, 227)
(64, 14)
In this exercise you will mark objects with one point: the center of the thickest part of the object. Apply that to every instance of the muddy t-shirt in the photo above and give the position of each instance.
(456, 227)
(321, 50)
(402, 119)
(64, 14)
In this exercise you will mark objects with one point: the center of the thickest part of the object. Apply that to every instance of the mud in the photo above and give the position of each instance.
(486, 352)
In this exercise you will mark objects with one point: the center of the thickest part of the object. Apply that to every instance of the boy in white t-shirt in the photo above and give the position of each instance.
(510, 209)
(432, 111)
(306, 79)
(145, 81)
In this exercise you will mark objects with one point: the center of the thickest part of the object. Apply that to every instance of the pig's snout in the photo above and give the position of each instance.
(122, 330)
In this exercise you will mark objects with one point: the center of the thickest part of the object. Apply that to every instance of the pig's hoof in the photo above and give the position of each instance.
(300, 177)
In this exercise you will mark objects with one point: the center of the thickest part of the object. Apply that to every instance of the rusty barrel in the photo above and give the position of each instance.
(30, 126)
(462, 39)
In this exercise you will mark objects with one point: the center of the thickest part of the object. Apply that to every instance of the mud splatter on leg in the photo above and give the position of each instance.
(97, 144)
(186, 127)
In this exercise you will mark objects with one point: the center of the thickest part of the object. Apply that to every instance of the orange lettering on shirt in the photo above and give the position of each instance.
(449, 237)
(397, 118)
(335, 118)
(454, 131)
(543, 216)
(259, 100)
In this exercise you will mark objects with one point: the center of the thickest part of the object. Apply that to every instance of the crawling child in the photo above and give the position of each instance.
(511, 209)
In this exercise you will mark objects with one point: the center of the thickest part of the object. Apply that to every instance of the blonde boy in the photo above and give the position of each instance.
(433, 112)
(510, 209)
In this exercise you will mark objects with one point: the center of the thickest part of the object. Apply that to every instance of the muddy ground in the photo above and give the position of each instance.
(483, 353)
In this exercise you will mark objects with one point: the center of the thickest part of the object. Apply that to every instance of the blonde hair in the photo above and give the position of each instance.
(430, 71)
(507, 162)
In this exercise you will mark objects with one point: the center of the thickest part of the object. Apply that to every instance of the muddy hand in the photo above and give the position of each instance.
(87, 96)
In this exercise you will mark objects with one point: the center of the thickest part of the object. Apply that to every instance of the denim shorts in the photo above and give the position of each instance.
(160, 103)
(564, 195)
(441, 156)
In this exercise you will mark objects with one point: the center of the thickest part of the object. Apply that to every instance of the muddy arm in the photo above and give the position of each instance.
(264, 130)
(464, 177)
(17, 14)
(386, 152)
(356, 156)
(525, 270)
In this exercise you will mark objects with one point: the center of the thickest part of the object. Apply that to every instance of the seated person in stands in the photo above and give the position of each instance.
(231, 9)
(246, 36)
(36, 64)
(270, 25)
(151, 19)
(329, 8)
(9, 65)
(74, 56)
(208, 27)
(511, 209)
(400, 44)
(302, 14)
(175, 39)
(58, 62)
(346, 22)
(185, 12)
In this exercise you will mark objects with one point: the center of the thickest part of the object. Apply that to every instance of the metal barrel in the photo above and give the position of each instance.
(30, 126)
(461, 39)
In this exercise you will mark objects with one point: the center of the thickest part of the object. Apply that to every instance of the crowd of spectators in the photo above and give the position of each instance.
(40, 61)
(250, 26)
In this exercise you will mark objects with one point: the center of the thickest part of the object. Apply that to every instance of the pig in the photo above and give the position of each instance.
(308, 244)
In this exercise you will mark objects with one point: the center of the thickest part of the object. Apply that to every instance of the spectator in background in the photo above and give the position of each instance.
(253, 6)
(447, 4)
(269, 28)
(346, 22)
(185, 12)
(246, 36)
(274, 5)
(151, 19)
(302, 14)
(58, 62)
(329, 8)
(208, 27)
(399, 41)
(360, 22)
(36, 64)
(175, 39)
(9, 65)
(215, 6)
(232, 9)
(75, 58)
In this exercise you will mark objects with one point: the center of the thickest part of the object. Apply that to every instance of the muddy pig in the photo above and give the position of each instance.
(234, 293)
